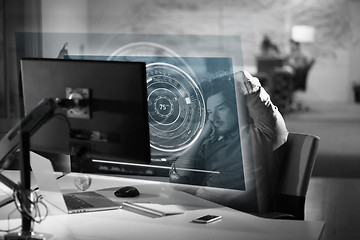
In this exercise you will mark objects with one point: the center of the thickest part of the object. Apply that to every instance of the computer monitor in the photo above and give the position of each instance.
(109, 123)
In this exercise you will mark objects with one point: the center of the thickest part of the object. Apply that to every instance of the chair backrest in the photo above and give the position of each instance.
(299, 158)
(301, 76)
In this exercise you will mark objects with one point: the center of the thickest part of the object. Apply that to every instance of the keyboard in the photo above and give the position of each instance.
(73, 202)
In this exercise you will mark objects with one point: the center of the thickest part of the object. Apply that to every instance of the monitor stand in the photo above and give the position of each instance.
(80, 162)
(19, 137)
(27, 223)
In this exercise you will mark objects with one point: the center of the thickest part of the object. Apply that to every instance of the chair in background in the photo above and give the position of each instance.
(301, 75)
(282, 90)
(300, 80)
(266, 66)
(277, 80)
(300, 152)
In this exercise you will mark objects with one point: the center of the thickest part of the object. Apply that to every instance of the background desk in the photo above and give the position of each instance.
(122, 224)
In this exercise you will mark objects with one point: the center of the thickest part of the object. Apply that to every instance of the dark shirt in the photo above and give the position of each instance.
(223, 155)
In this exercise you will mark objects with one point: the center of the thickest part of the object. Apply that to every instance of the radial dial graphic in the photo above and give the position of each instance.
(176, 107)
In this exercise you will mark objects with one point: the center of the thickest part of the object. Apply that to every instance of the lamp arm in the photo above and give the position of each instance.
(30, 124)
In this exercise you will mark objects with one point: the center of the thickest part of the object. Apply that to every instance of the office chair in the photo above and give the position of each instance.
(299, 84)
(266, 67)
(300, 152)
(301, 75)
(281, 93)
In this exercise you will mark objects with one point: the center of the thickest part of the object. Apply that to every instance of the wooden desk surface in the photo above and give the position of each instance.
(123, 224)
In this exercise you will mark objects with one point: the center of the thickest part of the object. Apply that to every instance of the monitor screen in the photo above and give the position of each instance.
(112, 125)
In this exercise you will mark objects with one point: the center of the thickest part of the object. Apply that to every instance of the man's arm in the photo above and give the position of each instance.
(265, 131)
(264, 116)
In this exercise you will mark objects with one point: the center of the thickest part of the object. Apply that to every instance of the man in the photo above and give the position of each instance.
(300, 66)
(237, 149)
(296, 58)
(218, 147)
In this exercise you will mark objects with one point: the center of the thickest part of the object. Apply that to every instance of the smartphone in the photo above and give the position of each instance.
(206, 219)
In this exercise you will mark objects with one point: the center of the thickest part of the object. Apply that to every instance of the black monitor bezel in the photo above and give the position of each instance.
(141, 156)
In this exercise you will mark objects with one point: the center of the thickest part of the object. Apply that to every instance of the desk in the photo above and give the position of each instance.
(122, 224)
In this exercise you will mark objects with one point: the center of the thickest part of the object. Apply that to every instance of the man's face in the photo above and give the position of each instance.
(221, 115)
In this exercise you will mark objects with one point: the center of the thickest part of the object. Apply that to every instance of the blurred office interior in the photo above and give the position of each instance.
(332, 94)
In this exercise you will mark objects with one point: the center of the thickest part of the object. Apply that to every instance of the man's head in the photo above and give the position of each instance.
(221, 104)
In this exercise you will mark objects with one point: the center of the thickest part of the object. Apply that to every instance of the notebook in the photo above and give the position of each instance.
(69, 202)
(152, 209)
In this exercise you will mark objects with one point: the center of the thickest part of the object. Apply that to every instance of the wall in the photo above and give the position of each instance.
(19, 16)
(64, 16)
(3, 107)
(337, 46)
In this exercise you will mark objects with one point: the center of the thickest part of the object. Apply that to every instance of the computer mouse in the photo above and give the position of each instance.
(128, 191)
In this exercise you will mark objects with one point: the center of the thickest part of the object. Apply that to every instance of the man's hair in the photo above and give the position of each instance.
(221, 82)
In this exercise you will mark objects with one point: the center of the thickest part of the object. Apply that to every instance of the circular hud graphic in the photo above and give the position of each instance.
(176, 107)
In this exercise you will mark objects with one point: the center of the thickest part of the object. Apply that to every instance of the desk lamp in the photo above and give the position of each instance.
(303, 33)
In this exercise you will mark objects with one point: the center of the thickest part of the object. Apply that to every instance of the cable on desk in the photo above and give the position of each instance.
(20, 199)
(12, 229)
